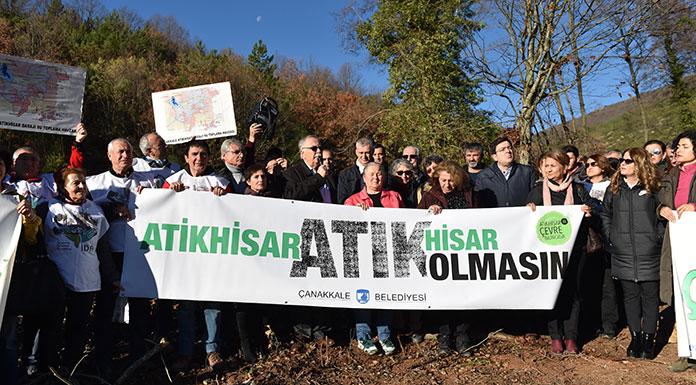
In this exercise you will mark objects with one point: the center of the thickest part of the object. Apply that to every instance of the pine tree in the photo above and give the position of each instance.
(263, 62)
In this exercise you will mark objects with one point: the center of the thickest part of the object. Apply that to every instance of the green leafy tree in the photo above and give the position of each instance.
(432, 96)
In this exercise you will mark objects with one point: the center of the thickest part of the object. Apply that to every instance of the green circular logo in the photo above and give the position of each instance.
(553, 228)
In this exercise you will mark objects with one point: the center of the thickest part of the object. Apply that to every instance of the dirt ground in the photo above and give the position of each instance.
(500, 359)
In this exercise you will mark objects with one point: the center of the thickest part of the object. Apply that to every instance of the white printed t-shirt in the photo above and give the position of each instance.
(109, 189)
(198, 183)
(72, 233)
(161, 173)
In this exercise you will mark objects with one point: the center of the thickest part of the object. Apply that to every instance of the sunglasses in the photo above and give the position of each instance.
(409, 156)
(656, 152)
(627, 161)
(591, 164)
(313, 148)
(404, 172)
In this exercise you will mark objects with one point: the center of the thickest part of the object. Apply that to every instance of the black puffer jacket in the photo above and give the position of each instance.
(630, 223)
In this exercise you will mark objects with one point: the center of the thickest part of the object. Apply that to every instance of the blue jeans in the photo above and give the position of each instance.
(382, 318)
(213, 320)
(187, 326)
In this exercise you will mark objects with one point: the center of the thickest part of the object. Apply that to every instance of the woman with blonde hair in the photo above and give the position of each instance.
(558, 188)
(630, 225)
(451, 190)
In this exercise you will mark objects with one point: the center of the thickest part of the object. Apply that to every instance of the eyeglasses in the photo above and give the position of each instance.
(409, 156)
(591, 164)
(235, 152)
(404, 172)
(627, 161)
(313, 148)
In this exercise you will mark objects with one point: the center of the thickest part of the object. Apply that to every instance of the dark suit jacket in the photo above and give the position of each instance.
(349, 182)
(332, 182)
(302, 184)
(493, 190)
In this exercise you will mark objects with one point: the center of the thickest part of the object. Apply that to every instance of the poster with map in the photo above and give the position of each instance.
(203, 112)
(40, 96)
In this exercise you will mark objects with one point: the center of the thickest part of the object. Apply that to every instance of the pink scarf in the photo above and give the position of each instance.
(566, 185)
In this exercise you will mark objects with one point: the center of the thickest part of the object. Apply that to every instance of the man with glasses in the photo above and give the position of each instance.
(505, 183)
(412, 154)
(658, 153)
(304, 182)
(350, 180)
(305, 179)
(237, 158)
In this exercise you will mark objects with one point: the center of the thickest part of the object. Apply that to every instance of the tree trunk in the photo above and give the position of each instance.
(577, 63)
(635, 83)
(559, 106)
(524, 124)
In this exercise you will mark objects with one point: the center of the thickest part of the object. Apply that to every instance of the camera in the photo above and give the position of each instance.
(265, 113)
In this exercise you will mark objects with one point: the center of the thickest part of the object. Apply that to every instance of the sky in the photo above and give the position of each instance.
(301, 30)
(305, 31)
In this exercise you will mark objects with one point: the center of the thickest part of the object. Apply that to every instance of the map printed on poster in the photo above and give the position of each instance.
(40, 96)
(203, 112)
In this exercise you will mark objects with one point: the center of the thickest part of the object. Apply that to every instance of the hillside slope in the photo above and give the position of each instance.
(619, 125)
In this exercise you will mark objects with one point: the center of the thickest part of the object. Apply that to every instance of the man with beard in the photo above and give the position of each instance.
(473, 153)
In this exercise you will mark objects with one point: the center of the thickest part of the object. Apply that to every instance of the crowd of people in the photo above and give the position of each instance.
(66, 281)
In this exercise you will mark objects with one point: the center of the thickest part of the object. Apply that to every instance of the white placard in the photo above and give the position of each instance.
(681, 234)
(10, 228)
(203, 112)
(40, 96)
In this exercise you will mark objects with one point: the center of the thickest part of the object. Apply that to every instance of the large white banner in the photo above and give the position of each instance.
(10, 228)
(203, 112)
(196, 246)
(40, 96)
(681, 234)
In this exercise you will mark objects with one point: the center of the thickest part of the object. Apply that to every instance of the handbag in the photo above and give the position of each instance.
(594, 241)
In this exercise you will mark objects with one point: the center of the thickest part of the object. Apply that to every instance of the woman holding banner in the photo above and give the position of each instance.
(374, 195)
(631, 227)
(73, 229)
(677, 192)
(600, 288)
(402, 181)
(558, 188)
(451, 190)
(258, 183)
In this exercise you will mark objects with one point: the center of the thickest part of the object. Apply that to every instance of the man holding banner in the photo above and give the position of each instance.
(115, 192)
(154, 158)
(198, 177)
(37, 298)
(26, 177)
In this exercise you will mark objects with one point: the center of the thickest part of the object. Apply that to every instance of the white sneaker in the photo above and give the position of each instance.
(387, 346)
(368, 347)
